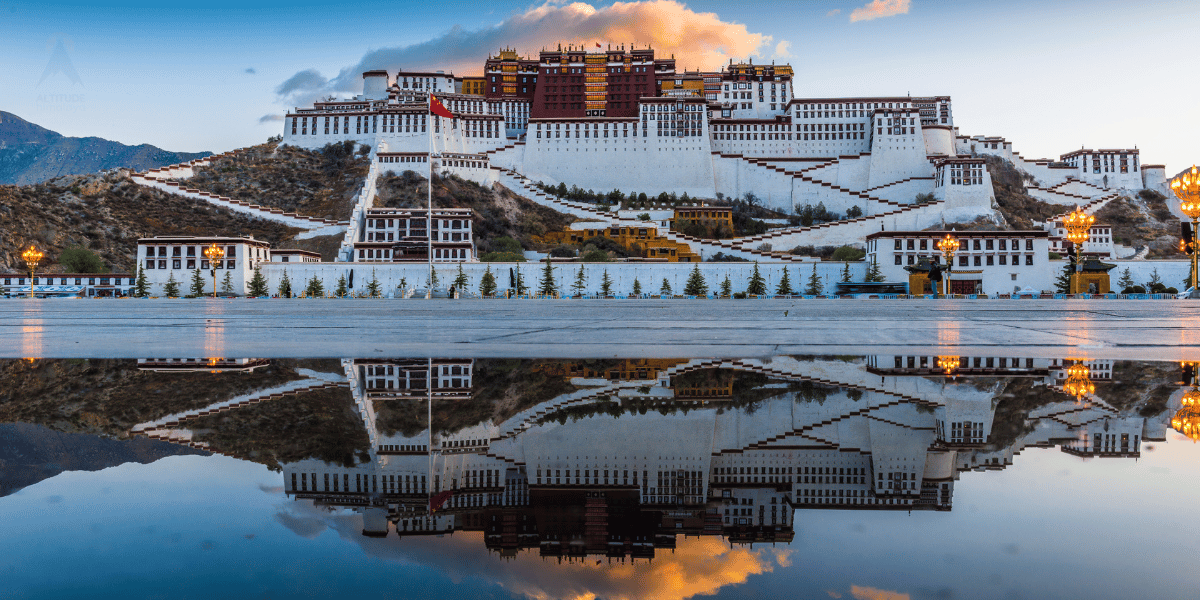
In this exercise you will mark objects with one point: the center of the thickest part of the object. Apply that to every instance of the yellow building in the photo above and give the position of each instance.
(637, 369)
(709, 216)
(652, 245)
(682, 86)
(473, 85)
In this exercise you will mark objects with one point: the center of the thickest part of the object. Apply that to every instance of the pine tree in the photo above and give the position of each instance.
(258, 284)
(757, 285)
(197, 288)
(374, 290)
(814, 287)
(546, 286)
(1155, 280)
(227, 283)
(637, 287)
(171, 287)
(460, 280)
(874, 275)
(1126, 280)
(315, 288)
(1063, 282)
(341, 289)
(580, 282)
(403, 287)
(521, 287)
(285, 286)
(696, 285)
(665, 290)
(785, 284)
(141, 289)
(726, 288)
(487, 285)
(846, 273)
(432, 279)
(606, 284)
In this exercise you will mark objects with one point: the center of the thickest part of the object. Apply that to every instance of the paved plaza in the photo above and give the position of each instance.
(1131, 329)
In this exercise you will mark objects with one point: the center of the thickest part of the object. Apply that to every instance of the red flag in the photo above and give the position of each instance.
(437, 501)
(597, 44)
(436, 108)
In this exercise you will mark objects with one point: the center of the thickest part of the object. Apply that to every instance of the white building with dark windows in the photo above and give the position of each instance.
(295, 256)
(164, 257)
(402, 235)
(987, 262)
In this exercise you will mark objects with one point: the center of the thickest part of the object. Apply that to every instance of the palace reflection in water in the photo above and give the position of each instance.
(618, 458)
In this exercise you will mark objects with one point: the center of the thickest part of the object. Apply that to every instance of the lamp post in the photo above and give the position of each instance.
(1079, 381)
(1187, 188)
(32, 257)
(214, 253)
(948, 364)
(1078, 225)
(948, 245)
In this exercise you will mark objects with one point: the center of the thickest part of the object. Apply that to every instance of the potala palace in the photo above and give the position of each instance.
(622, 118)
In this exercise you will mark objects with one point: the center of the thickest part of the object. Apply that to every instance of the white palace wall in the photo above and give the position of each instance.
(650, 275)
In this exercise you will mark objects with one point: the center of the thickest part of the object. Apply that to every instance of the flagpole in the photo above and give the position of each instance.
(429, 203)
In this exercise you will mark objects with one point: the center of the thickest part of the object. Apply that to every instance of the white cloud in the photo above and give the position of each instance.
(783, 49)
(878, 9)
(697, 40)
(270, 118)
(833, 13)
(869, 593)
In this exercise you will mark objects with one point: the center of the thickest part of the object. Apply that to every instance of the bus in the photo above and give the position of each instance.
(862, 289)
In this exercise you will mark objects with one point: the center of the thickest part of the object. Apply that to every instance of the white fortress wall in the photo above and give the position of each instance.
(904, 191)
(853, 233)
(650, 275)
(900, 155)
(939, 140)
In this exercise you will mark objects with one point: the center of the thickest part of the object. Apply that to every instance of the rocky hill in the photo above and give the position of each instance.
(107, 214)
(30, 153)
(317, 183)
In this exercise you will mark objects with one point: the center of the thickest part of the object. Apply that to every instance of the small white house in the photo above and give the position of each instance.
(987, 262)
(162, 258)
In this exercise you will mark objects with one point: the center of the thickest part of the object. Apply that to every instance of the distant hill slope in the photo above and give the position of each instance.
(107, 213)
(30, 153)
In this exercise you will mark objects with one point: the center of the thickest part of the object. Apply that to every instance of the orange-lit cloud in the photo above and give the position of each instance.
(877, 9)
(868, 593)
(697, 40)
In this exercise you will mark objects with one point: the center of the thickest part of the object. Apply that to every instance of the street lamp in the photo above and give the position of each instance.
(948, 364)
(1187, 420)
(1079, 381)
(32, 257)
(1187, 188)
(948, 245)
(214, 253)
(1078, 225)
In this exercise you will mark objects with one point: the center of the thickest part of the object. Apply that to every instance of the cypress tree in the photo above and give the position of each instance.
(460, 280)
(487, 285)
(521, 287)
(171, 287)
(340, 290)
(258, 283)
(580, 282)
(874, 275)
(637, 287)
(726, 287)
(285, 286)
(197, 287)
(227, 283)
(696, 286)
(1062, 283)
(846, 273)
(546, 286)
(1127, 281)
(785, 284)
(373, 289)
(665, 290)
(432, 279)
(315, 288)
(757, 285)
(141, 289)
(606, 284)
(814, 287)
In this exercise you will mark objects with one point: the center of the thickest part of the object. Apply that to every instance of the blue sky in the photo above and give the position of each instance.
(1051, 76)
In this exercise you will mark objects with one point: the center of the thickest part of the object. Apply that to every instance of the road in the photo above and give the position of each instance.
(1128, 329)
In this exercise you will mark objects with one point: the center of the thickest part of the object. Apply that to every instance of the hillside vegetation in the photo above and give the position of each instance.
(498, 212)
(317, 183)
(107, 214)
(1144, 220)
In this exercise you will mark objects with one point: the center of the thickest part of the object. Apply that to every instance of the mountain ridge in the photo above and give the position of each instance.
(30, 153)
